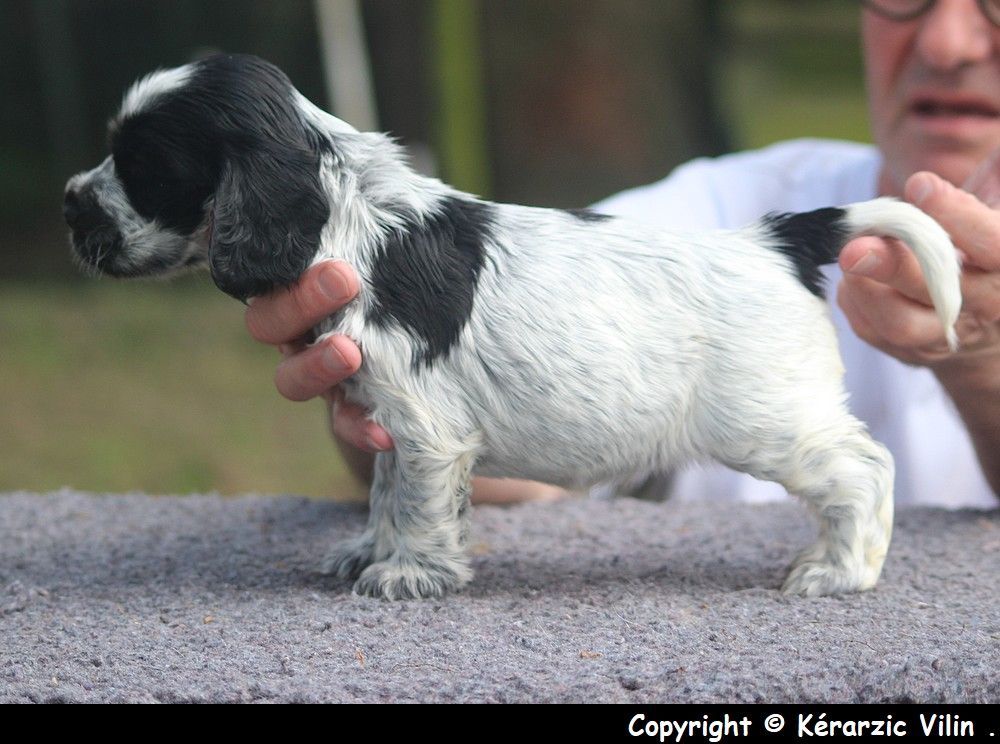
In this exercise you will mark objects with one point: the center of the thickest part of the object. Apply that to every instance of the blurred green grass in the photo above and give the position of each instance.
(794, 69)
(157, 387)
(149, 386)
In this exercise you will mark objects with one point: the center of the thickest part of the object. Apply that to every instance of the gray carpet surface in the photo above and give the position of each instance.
(134, 598)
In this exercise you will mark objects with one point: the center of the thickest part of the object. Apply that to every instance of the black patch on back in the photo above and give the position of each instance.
(588, 215)
(425, 275)
(810, 240)
(232, 130)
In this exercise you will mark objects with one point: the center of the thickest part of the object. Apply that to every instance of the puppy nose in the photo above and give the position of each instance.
(80, 209)
(71, 207)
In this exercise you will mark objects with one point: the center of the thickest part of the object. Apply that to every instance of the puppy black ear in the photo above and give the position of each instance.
(268, 213)
(269, 206)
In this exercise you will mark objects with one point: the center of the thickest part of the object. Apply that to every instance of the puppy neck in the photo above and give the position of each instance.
(323, 121)
(370, 185)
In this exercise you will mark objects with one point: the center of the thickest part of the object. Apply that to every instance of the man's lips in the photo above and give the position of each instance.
(954, 116)
(954, 106)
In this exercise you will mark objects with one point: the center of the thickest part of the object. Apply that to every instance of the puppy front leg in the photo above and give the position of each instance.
(348, 559)
(427, 513)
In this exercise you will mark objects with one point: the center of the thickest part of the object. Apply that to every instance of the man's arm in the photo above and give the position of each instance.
(885, 299)
(975, 389)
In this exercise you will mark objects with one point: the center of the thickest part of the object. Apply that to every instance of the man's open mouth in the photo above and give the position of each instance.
(934, 108)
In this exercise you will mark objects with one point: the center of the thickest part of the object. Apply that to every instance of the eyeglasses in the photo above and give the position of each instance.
(907, 10)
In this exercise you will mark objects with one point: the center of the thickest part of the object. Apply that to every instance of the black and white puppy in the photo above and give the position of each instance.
(502, 340)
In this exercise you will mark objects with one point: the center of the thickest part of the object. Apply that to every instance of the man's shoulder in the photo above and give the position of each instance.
(792, 157)
(731, 190)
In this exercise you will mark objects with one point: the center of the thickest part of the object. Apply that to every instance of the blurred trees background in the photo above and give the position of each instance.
(549, 102)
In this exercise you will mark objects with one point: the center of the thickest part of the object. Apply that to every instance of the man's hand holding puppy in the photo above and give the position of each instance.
(283, 318)
(885, 298)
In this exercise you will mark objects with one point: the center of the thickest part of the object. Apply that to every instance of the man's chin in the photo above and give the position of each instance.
(954, 155)
(954, 165)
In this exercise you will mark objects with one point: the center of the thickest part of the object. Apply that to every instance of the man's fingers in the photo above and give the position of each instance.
(973, 226)
(286, 314)
(292, 347)
(857, 318)
(351, 424)
(317, 368)
(981, 295)
(889, 321)
(887, 262)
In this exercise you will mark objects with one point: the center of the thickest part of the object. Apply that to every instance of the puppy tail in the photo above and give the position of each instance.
(812, 239)
(931, 245)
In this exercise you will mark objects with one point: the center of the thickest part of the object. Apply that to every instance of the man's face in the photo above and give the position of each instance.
(933, 90)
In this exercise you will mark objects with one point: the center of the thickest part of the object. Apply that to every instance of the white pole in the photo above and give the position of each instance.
(345, 63)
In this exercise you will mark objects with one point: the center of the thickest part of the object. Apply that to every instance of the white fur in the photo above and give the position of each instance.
(155, 84)
(889, 217)
(594, 350)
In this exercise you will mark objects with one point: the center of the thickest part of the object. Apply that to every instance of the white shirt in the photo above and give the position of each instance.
(904, 407)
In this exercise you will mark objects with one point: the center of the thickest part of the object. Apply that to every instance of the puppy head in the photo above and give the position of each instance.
(211, 163)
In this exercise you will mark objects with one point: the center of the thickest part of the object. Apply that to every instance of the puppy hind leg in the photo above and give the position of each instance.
(349, 558)
(848, 485)
(429, 517)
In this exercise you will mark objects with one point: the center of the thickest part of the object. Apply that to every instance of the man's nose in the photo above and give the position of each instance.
(955, 33)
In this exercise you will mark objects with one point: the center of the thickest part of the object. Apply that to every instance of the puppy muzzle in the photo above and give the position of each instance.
(95, 235)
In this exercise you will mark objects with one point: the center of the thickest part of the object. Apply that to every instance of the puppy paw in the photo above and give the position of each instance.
(397, 578)
(816, 578)
(348, 559)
